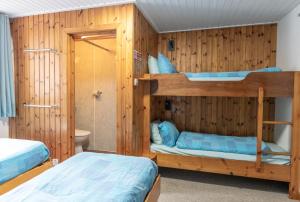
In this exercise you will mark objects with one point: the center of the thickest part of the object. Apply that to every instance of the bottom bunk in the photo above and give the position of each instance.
(224, 166)
(231, 155)
(269, 158)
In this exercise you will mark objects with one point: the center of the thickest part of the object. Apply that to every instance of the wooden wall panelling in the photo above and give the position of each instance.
(36, 80)
(145, 42)
(71, 89)
(64, 78)
(31, 79)
(42, 79)
(52, 128)
(226, 49)
(46, 115)
(129, 83)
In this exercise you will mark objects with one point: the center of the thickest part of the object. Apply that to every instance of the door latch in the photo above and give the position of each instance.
(97, 94)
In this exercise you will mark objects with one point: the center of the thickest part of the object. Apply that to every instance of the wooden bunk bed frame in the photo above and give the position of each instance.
(11, 184)
(256, 84)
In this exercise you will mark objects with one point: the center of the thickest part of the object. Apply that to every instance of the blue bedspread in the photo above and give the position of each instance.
(19, 156)
(212, 142)
(90, 177)
(235, 74)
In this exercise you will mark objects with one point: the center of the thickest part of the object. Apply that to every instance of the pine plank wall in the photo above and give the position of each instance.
(41, 78)
(146, 42)
(226, 49)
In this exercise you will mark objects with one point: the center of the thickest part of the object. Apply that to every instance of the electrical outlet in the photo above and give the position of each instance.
(171, 45)
(55, 162)
(135, 82)
(168, 105)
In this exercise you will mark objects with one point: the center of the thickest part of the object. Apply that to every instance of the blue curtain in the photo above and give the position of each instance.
(7, 94)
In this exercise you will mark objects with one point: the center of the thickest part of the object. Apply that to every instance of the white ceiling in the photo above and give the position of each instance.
(16, 8)
(170, 15)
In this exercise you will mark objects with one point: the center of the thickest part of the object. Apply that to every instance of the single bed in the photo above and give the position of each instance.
(21, 160)
(18, 156)
(92, 177)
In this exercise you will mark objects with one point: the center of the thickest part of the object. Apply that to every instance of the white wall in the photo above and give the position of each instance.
(288, 58)
(3, 128)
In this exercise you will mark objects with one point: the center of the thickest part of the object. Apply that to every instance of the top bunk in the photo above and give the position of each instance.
(237, 84)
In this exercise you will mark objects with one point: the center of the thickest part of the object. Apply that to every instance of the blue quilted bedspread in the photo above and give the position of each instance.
(212, 142)
(90, 177)
(18, 156)
(235, 74)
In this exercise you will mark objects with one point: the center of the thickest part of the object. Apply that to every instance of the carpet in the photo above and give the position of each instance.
(189, 186)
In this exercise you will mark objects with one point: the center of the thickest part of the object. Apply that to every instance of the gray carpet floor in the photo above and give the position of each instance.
(188, 186)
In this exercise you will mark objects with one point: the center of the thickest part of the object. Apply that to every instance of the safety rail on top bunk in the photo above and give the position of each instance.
(275, 84)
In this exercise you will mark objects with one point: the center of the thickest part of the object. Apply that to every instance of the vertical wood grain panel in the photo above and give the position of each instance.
(41, 78)
(217, 50)
(145, 42)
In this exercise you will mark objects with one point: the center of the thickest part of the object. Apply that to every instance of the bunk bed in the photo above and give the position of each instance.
(253, 84)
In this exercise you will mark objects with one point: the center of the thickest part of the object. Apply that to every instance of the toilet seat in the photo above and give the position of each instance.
(80, 133)
(81, 137)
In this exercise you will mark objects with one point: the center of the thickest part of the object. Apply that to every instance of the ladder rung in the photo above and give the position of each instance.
(278, 122)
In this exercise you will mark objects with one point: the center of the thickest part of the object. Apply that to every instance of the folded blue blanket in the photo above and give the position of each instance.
(241, 74)
(212, 142)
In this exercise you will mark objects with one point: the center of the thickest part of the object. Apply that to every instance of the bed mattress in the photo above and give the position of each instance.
(272, 159)
(18, 156)
(220, 143)
(226, 76)
(90, 177)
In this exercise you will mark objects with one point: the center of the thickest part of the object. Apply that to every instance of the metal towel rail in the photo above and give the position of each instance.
(40, 50)
(40, 106)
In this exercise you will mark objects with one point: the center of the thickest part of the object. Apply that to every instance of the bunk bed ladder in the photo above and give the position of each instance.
(260, 110)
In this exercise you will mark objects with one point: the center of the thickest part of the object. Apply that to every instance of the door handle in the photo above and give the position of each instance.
(97, 94)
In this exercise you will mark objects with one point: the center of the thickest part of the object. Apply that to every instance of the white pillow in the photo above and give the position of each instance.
(153, 65)
(155, 135)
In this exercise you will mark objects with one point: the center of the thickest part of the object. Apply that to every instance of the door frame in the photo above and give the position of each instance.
(69, 50)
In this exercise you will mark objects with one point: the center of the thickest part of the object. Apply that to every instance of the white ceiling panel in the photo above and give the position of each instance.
(16, 8)
(170, 15)
(176, 15)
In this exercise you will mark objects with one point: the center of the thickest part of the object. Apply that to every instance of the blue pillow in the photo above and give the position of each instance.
(152, 65)
(164, 65)
(168, 133)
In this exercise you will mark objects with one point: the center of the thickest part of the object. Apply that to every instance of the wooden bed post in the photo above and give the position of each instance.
(147, 118)
(260, 110)
(294, 189)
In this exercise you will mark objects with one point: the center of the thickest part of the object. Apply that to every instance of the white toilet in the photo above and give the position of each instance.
(81, 140)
